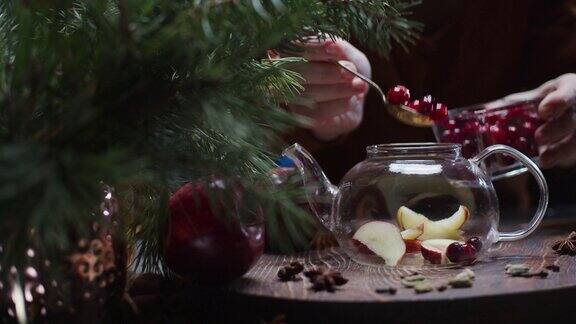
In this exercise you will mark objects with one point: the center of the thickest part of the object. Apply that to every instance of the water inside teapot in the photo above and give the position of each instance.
(428, 199)
(413, 204)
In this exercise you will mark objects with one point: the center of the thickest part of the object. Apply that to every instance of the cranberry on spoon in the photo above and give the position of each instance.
(396, 102)
(422, 112)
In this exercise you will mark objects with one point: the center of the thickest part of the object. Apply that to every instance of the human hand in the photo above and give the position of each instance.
(556, 138)
(333, 97)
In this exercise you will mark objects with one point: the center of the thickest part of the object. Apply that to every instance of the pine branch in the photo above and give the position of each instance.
(147, 95)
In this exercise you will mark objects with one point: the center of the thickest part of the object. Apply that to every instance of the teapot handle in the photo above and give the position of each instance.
(531, 166)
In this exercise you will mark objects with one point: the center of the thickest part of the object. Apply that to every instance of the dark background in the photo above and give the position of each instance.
(471, 52)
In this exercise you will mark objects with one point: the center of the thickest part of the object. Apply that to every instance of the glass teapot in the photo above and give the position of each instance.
(414, 205)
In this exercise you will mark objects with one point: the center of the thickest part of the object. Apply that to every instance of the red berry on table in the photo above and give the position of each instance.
(461, 252)
(398, 95)
(439, 113)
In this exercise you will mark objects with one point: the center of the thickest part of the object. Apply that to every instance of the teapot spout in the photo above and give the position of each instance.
(319, 191)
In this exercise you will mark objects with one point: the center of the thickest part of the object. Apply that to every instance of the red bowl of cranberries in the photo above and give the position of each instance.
(477, 127)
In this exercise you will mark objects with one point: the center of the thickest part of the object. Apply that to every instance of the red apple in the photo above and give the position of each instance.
(204, 247)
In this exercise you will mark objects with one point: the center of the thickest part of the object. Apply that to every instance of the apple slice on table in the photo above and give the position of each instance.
(384, 239)
(435, 250)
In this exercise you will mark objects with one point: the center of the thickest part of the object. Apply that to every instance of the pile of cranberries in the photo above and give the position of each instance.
(513, 126)
(464, 252)
(427, 106)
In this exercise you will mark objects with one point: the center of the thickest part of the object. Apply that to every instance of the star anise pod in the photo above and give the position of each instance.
(289, 272)
(325, 279)
(566, 246)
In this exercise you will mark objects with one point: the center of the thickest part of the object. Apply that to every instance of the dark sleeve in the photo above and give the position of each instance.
(551, 48)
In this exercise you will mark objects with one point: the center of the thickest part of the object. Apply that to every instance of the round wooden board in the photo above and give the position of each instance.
(259, 297)
(363, 280)
(494, 297)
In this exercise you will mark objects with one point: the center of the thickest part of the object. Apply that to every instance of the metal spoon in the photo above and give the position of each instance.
(402, 113)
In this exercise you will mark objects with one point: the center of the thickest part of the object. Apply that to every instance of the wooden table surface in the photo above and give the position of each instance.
(260, 297)
(363, 280)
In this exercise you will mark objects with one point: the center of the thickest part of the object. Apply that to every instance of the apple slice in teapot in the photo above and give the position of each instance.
(383, 239)
(447, 228)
